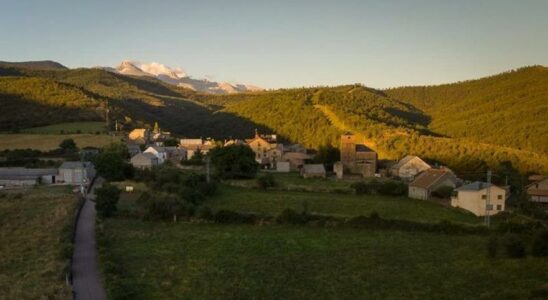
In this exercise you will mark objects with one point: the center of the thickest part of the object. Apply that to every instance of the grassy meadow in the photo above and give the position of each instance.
(343, 205)
(31, 225)
(157, 260)
(66, 128)
(45, 142)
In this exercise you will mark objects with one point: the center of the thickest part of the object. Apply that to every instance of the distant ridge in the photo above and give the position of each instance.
(35, 65)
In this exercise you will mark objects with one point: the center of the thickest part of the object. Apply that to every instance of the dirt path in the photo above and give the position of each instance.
(86, 278)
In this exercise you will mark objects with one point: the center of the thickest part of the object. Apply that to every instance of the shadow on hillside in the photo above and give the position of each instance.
(19, 112)
(189, 119)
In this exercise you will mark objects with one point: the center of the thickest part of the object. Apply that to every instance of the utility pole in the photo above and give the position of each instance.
(488, 200)
(207, 168)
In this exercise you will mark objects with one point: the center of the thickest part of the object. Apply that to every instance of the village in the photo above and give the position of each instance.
(149, 149)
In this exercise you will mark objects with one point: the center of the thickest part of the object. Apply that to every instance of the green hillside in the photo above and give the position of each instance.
(509, 109)
(468, 126)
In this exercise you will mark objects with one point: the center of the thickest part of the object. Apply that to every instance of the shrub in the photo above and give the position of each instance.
(107, 200)
(265, 181)
(290, 216)
(204, 212)
(514, 246)
(393, 188)
(360, 188)
(492, 246)
(229, 216)
(540, 244)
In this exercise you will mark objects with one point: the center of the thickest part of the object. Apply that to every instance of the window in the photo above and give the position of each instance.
(499, 207)
(484, 197)
(489, 207)
(499, 197)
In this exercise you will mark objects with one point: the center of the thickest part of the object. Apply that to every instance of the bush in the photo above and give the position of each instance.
(393, 188)
(514, 246)
(228, 216)
(107, 200)
(204, 212)
(289, 216)
(540, 244)
(265, 181)
(360, 188)
(492, 246)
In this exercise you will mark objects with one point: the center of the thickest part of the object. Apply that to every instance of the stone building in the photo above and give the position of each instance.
(357, 158)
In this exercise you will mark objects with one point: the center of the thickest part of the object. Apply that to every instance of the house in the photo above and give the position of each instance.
(408, 167)
(133, 149)
(25, 177)
(144, 161)
(192, 146)
(296, 159)
(266, 148)
(538, 191)
(76, 172)
(473, 197)
(175, 154)
(356, 157)
(231, 142)
(159, 152)
(313, 171)
(430, 180)
(140, 136)
(283, 167)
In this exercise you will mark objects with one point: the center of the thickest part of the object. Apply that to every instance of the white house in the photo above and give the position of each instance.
(408, 167)
(159, 152)
(473, 197)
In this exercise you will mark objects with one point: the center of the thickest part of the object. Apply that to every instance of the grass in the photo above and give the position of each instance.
(346, 205)
(154, 260)
(31, 225)
(51, 141)
(65, 128)
(293, 181)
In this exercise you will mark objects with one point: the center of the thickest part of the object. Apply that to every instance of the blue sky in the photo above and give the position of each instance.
(285, 43)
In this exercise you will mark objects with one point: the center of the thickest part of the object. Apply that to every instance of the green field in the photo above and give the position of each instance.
(65, 128)
(47, 142)
(294, 181)
(346, 205)
(31, 224)
(156, 260)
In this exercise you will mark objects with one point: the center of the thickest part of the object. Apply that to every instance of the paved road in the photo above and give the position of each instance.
(86, 278)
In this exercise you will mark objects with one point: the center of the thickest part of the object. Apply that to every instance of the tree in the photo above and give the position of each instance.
(171, 142)
(107, 200)
(112, 166)
(234, 161)
(68, 146)
(327, 155)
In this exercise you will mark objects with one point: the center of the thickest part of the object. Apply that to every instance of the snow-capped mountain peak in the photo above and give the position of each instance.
(177, 76)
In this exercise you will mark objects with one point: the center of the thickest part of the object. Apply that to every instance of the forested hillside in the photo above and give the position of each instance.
(467, 126)
(509, 109)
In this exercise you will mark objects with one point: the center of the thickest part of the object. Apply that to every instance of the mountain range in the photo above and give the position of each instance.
(467, 126)
(176, 76)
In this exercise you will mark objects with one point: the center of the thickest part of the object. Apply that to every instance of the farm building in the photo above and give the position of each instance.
(429, 181)
(473, 197)
(296, 159)
(25, 176)
(408, 167)
(144, 161)
(538, 191)
(76, 172)
(313, 171)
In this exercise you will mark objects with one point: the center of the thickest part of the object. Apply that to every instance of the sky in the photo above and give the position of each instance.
(275, 44)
